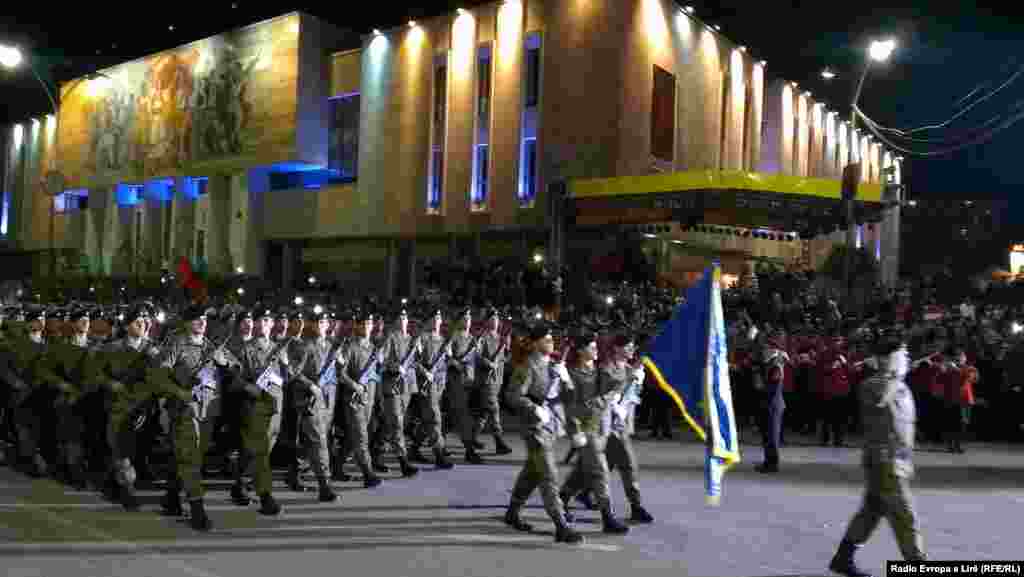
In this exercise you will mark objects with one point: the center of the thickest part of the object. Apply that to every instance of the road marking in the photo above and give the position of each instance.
(161, 549)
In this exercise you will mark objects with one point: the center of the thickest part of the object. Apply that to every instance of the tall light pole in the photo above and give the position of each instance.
(878, 51)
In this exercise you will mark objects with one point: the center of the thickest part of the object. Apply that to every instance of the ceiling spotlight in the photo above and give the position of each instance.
(239, 270)
(716, 27)
(743, 48)
(376, 32)
(460, 11)
(828, 74)
(412, 24)
(318, 309)
(688, 9)
(171, 28)
(764, 63)
(240, 291)
(298, 301)
(795, 85)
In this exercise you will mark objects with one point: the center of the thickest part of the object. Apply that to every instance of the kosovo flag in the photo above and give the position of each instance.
(689, 361)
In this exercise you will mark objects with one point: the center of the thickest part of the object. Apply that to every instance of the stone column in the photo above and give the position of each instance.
(890, 231)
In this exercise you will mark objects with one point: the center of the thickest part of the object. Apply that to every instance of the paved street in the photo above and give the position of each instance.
(448, 523)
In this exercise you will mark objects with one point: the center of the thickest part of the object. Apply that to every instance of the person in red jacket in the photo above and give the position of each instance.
(959, 395)
(835, 390)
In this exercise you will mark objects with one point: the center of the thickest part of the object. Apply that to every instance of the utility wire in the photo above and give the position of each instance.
(872, 126)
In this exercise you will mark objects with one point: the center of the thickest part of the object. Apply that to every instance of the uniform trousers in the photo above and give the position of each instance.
(619, 452)
(489, 418)
(358, 407)
(540, 472)
(431, 433)
(125, 408)
(261, 427)
(887, 495)
(70, 428)
(192, 433)
(460, 392)
(771, 431)
(315, 421)
(591, 472)
(394, 404)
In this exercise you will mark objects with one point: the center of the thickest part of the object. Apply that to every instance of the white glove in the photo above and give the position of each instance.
(562, 373)
(542, 413)
(639, 374)
(220, 358)
(579, 440)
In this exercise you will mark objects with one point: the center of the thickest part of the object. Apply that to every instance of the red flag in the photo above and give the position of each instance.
(189, 281)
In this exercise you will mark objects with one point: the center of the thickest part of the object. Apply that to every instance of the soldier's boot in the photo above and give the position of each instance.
(129, 499)
(338, 467)
(566, 534)
(378, 463)
(78, 476)
(407, 469)
(479, 445)
(472, 457)
(123, 482)
(198, 519)
(327, 494)
(170, 503)
(239, 495)
(500, 446)
(564, 495)
(585, 500)
(442, 460)
(640, 515)
(38, 466)
(294, 481)
(416, 455)
(268, 505)
(513, 520)
(370, 479)
(611, 524)
(843, 562)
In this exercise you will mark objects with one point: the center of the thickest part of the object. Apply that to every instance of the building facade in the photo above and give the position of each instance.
(291, 148)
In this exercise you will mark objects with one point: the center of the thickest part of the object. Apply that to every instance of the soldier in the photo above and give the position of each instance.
(32, 384)
(126, 369)
(360, 376)
(619, 375)
(495, 349)
(195, 361)
(432, 368)
(461, 381)
(70, 361)
(294, 398)
(887, 406)
(237, 403)
(262, 375)
(399, 384)
(538, 388)
(590, 412)
(316, 392)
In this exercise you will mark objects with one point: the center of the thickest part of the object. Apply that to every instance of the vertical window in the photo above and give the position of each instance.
(663, 114)
(439, 125)
(528, 126)
(71, 201)
(482, 134)
(137, 248)
(748, 117)
(344, 137)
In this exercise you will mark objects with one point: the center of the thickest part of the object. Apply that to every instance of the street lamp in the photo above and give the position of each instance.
(878, 51)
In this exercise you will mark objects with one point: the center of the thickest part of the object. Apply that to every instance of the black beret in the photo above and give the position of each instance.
(79, 314)
(584, 339)
(35, 314)
(363, 315)
(538, 331)
(296, 315)
(263, 313)
(136, 313)
(245, 314)
(193, 313)
(323, 315)
(281, 314)
(492, 312)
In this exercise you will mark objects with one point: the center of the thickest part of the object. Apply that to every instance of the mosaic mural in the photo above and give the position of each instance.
(228, 97)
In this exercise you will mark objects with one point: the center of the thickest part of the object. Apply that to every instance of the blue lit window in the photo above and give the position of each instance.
(130, 194)
(160, 189)
(527, 186)
(343, 139)
(71, 201)
(196, 187)
(439, 125)
(3, 216)
(481, 156)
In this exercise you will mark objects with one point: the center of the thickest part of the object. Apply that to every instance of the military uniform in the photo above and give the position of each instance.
(32, 388)
(623, 383)
(70, 361)
(538, 390)
(398, 385)
(127, 369)
(773, 405)
(264, 372)
(494, 352)
(889, 416)
(360, 377)
(317, 393)
(433, 371)
(295, 399)
(461, 386)
(191, 358)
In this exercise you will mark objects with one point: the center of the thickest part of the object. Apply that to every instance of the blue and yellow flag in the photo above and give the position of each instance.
(689, 361)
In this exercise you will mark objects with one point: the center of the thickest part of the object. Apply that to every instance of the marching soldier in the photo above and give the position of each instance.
(538, 388)
(70, 360)
(433, 370)
(195, 362)
(591, 413)
(461, 381)
(889, 420)
(316, 394)
(360, 376)
(399, 384)
(32, 384)
(237, 403)
(295, 398)
(494, 352)
(262, 374)
(126, 369)
(619, 375)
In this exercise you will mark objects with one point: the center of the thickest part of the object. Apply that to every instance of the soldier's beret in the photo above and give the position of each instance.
(538, 331)
(398, 313)
(79, 314)
(584, 338)
(245, 314)
(281, 314)
(322, 316)
(363, 315)
(35, 314)
(135, 314)
(193, 313)
(296, 315)
(492, 312)
(263, 313)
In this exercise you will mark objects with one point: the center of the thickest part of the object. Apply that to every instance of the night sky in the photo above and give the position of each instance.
(946, 50)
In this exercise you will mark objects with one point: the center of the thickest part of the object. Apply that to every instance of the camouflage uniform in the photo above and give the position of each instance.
(460, 384)
(32, 384)
(889, 415)
(591, 412)
(264, 371)
(360, 375)
(433, 370)
(399, 384)
(624, 394)
(70, 361)
(494, 352)
(317, 398)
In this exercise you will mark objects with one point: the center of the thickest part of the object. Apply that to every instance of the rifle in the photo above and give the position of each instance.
(270, 364)
(404, 365)
(504, 336)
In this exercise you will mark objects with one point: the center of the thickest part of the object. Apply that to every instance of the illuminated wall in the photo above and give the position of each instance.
(220, 103)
